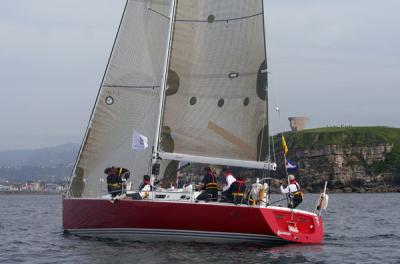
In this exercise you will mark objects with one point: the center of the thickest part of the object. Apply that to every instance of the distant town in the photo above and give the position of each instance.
(31, 186)
(37, 171)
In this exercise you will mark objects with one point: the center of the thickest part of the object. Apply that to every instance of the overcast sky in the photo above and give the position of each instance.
(335, 61)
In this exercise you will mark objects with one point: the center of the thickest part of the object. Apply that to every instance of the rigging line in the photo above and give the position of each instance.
(218, 20)
(132, 86)
(275, 98)
(159, 13)
(273, 148)
(278, 201)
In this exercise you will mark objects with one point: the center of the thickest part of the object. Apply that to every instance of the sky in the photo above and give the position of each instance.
(334, 61)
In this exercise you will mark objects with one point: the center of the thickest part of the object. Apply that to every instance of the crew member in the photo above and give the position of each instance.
(209, 186)
(229, 179)
(146, 185)
(144, 189)
(236, 192)
(124, 174)
(114, 182)
(295, 196)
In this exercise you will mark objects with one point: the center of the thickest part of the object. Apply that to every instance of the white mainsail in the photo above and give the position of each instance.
(128, 99)
(215, 104)
(212, 105)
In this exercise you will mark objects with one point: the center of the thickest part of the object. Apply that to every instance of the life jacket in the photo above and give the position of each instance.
(144, 183)
(211, 183)
(114, 186)
(238, 188)
(297, 194)
(114, 182)
(123, 173)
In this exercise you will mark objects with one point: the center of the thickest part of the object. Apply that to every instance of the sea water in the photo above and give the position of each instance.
(359, 228)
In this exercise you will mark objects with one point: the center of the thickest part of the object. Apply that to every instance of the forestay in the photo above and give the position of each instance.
(216, 94)
(128, 99)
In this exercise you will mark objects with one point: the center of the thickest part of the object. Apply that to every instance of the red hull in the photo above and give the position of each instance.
(208, 222)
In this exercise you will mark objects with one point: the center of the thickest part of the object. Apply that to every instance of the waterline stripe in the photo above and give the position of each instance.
(174, 233)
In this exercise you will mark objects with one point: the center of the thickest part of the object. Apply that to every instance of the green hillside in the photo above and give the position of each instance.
(359, 136)
(355, 136)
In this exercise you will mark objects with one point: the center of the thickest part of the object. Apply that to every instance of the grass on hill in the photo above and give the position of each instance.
(355, 136)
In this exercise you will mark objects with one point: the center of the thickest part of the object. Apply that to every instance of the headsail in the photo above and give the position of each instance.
(128, 99)
(216, 96)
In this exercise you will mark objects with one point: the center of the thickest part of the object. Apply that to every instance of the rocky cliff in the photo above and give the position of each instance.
(350, 159)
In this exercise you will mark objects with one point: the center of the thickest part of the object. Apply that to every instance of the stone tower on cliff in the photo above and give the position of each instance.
(297, 123)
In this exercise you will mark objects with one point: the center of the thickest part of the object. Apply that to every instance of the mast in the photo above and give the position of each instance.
(164, 82)
(265, 71)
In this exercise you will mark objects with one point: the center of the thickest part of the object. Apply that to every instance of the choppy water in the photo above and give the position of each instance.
(359, 228)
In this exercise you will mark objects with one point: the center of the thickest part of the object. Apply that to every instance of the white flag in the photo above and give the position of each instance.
(139, 141)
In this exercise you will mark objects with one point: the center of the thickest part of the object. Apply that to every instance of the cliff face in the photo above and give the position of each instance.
(351, 160)
(346, 168)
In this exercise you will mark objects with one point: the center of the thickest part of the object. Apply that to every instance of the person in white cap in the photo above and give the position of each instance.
(293, 191)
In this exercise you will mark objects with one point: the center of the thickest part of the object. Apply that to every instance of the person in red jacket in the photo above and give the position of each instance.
(236, 192)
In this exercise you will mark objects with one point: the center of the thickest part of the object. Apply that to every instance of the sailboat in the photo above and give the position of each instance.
(191, 77)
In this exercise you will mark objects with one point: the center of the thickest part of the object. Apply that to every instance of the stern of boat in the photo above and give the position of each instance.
(295, 225)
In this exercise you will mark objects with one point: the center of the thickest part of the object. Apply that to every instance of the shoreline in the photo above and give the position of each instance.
(29, 193)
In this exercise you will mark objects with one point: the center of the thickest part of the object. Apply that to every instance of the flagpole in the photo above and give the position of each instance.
(285, 151)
